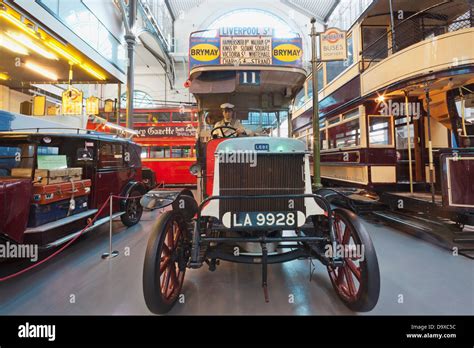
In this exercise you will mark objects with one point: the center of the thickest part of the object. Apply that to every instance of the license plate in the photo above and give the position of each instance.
(264, 220)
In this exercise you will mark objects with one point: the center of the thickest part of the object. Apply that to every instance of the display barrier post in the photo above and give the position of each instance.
(111, 254)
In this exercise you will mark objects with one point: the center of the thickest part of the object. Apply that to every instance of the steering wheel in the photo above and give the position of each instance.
(221, 128)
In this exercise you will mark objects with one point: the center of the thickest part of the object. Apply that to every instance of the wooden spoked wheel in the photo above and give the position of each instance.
(165, 262)
(357, 281)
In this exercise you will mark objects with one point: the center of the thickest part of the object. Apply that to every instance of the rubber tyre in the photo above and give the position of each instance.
(155, 300)
(133, 209)
(369, 286)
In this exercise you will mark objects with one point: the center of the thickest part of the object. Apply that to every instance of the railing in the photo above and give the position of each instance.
(444, 17)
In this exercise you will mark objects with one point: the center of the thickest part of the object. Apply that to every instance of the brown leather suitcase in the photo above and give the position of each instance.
(46, 194)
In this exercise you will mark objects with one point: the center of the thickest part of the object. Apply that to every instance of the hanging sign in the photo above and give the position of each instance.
(109, 105)
(72, 102)
(92, 106)
(53, 110)
(39, 105)
(333, 45)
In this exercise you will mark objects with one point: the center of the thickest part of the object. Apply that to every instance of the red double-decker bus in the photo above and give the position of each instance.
(167, 137)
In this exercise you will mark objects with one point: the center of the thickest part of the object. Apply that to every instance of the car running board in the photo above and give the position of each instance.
(67, 238)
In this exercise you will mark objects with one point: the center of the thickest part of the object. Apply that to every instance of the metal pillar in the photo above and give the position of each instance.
(131, 41)
(430, 144)
(119, 98)
(316, 145)
(392, 25)
(410, 165)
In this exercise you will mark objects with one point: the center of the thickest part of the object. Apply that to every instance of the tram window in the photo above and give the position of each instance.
(324, 142)
(159, 152)
(334, 120)
(322, 123)
(181, 151)
(144, 153)
(350, 114)
(141, 118)
(181, 117)
(372, 46)
(335, 68)
(162, 116)
(401, 135)
(344, 135)
(300, 99)
(380, 131)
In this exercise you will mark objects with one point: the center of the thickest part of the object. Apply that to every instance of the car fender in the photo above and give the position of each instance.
(128, 189)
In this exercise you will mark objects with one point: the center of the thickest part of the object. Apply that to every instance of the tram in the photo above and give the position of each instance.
(167, 137)
(254, 202)
(397, 117)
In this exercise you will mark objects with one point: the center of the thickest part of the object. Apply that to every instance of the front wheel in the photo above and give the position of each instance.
(357, 281)
(165, 262)
(133, 210)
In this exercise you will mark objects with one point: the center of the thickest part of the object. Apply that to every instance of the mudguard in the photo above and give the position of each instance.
(128, 189)
(180, 200)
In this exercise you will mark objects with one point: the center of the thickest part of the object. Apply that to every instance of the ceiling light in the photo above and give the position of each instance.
(62, 52)
(12, 19)
(12, 45)
(93, 72)
(42, 71)
(380, 99)
(32, 46)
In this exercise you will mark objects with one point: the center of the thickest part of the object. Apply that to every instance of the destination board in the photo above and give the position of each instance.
(246, 50)
(244, 46)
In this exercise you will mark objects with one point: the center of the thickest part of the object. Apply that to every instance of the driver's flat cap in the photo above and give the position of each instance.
(227, 106)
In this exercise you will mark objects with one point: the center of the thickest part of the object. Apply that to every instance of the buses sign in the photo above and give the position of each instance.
(333, 45)
(245, 46)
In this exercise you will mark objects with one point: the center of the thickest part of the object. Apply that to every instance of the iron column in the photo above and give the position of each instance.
(430, 144)
(316, 145)
(131, 41)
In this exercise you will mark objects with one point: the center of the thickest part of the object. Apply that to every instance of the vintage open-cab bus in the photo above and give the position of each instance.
(397, 117)
(254, 203)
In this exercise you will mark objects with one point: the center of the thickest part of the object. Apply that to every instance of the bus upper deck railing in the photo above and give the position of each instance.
(430, 22)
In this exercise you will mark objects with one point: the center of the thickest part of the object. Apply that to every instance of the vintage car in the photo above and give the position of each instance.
(53, 184)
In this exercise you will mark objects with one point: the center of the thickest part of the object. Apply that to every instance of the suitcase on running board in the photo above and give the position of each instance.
(41, 214)
(46, 194)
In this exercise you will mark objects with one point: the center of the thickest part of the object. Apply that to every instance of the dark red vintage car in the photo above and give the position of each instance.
(52, 184)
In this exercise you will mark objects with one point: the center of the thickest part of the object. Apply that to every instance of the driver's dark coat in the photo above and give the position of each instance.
(233, 123)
